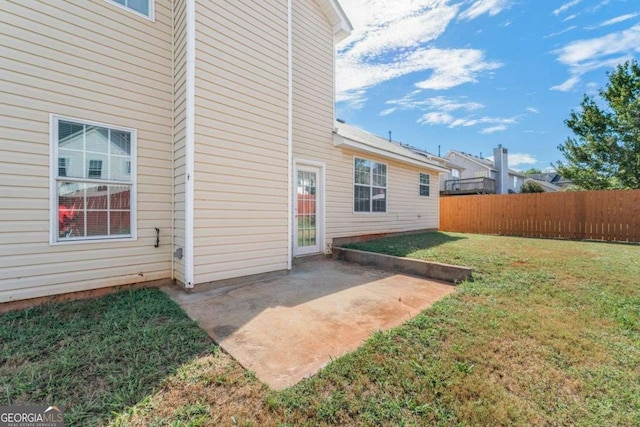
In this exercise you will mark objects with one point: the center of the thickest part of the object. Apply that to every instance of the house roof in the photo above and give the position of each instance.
(482, 162)
(341, 25)
(348, 136)
(544, 184)
(551, 177)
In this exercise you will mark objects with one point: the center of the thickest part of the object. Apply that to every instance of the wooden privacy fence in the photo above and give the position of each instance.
(612, 215)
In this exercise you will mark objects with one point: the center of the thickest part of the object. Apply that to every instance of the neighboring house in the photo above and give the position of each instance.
(208, 125)
(471, 174)
(546, 186)
(552, 178)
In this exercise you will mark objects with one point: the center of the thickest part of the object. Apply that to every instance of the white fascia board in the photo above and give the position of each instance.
(342, 142)
(341, 25)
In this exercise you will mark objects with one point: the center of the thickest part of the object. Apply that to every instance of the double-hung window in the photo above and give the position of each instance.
(425, 183)
(142, 7)
(63, 164)
(369, 186)
(93, 187)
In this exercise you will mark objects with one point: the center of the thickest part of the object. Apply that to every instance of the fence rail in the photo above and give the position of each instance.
(582, 215)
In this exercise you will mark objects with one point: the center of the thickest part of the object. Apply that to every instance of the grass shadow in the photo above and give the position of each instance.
(405, 245)
(94, 357)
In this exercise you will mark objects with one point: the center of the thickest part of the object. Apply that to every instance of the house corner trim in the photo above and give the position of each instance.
(290, 134)
(190, 12)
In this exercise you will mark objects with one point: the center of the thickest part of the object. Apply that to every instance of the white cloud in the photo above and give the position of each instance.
(566, 30)
(581, 51)
(355, 98)
(567, 85)
(570, 18)
(447, 104)
(435, 118)
(540, 132)
(453, 67)
(480, 7)
(533, 110)
(441, 118)
(440, 103)
(517, 159)
(419, 26)
(466, 122)
(387, 111)
(493, 129)
(566, 7)
(390, 41)
(613, 21)
(583, 56)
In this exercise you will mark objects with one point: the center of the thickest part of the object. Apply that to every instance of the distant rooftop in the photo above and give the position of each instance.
(384, 145)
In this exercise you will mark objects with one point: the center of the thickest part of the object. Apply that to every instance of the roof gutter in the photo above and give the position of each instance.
(342, 142)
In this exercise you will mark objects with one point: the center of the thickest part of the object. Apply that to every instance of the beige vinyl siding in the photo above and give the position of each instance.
(241, 139)
(313, 123)
(472, 169)
(93, 61)
(179, 123)
(406, 209)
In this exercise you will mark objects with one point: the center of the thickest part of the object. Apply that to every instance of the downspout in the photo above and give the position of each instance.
(290, 135)
(190, 82)
(173, 139)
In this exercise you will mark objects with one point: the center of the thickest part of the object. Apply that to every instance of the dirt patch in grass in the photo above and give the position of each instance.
(210, 390)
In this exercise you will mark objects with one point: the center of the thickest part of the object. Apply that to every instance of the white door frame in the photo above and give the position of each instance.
(320, 206)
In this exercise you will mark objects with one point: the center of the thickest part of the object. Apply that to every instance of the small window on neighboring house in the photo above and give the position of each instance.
(142, 7)
(369, 186)
(425, 180)
(93, 190)
(95, 169)
(455, 173)
(63, 164)
(515, 182)
(482, 174)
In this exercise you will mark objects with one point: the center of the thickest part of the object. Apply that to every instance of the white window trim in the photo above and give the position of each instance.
(53, 187)
(420, 184)
(152, 9)
(353, 184)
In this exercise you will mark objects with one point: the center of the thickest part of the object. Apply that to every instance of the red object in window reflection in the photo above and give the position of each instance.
(66, 215)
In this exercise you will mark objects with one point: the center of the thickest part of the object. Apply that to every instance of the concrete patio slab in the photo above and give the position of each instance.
(287, 328)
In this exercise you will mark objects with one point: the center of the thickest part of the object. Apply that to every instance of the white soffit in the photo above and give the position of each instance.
(341, 25)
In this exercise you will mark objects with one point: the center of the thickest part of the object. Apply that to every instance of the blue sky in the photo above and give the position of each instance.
(472, 74)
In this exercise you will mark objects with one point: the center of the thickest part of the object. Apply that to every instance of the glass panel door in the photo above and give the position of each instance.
(306, 211)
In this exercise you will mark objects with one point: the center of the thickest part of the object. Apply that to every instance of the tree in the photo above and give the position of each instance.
(531, 187)
(605, 153)
(532, 171)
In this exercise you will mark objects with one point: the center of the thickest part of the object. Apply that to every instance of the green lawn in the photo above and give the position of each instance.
(94, 357)
(547, 333)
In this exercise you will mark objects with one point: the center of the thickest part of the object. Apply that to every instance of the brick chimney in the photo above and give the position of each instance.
(501, 164)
